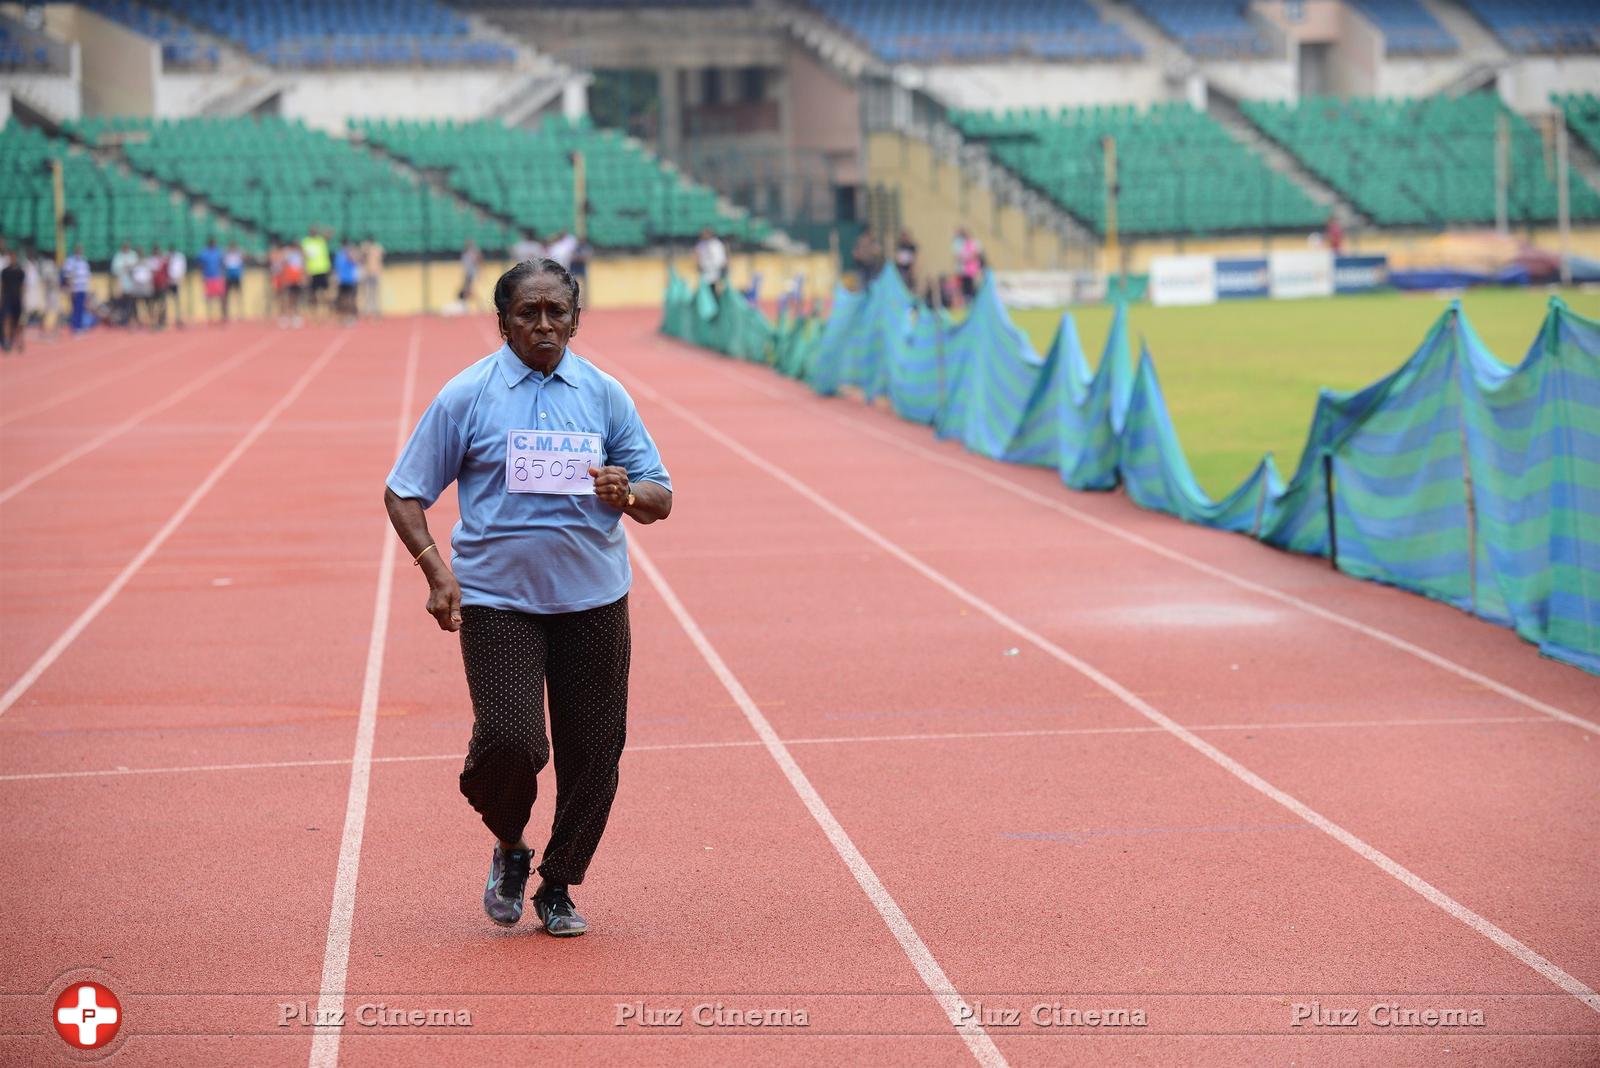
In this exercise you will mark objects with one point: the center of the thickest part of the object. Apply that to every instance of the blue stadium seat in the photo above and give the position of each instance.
(933, 30)
(312, 33)
(1558, 26)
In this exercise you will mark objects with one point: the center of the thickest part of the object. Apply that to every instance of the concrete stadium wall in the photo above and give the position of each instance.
(120, 67)
(181, 94)
(1527, 85)
(1254, 79)
(824, 115)
(325, 100)
(1034, 84)
(61, 95)
(935, 198)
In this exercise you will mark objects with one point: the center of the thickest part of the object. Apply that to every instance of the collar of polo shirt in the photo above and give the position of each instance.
(513, 370)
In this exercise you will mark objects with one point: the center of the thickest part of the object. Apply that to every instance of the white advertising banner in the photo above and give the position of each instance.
(1302, 273)
(1184, 280)
(1036, 289)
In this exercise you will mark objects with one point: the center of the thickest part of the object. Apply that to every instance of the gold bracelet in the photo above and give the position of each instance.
(416, 561)
(630, 498)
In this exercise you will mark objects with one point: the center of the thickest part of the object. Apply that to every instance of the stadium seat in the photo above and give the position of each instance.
(282, 177)
(1408, 28)
(528, 177)
(1571, 27)
(1582, 111)
(902, 31)
(1179, 171)
(1420, 162)
(1207, 29)
(312, 33)
(105, 206)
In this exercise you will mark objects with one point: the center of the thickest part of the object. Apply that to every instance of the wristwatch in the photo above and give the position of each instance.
(630, 498)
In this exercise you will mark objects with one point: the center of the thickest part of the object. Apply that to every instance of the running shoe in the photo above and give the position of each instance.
(508, 878)
(556, 911)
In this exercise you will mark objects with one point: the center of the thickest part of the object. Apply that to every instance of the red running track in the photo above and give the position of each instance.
(916, 739)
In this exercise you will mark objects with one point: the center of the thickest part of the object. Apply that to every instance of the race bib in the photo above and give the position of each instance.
(539, 461)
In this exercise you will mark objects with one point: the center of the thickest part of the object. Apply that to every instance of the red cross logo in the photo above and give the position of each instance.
(87, 1015)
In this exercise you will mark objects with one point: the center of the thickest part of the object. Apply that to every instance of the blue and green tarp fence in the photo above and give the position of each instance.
(1454, 476)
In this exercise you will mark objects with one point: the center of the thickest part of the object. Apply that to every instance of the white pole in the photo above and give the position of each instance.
(1563, 199)
(1502, 175)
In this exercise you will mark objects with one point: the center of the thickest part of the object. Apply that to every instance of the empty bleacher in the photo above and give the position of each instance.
(1430, 161)
(902, 31)
(1178, 171)
(105, 206)
(1559, 26)
(528, 176)
(1582, 111)
(341, 33)
(1408, 28)
(282, 177)
(1208, 29)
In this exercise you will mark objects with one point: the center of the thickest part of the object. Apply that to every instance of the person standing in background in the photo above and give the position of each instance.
(143, 275)
(867, 255)
(294, 284)
(177, 267)
(12, 277)
(470, 258)
(210, 260)
(1335, 235)
(527, 249)
(32, 291)
(318, 264)
(75, 274)
(905, 260)
(347, 270)
(233, 277)
(122, 299)
(371, 277)
(969, 263)
(160, 284)
(561, 248)
(711, 257)
(50, 288)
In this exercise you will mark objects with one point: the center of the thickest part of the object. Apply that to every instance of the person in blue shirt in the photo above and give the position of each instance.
(210, 260)
(348, 275)
(548, 453)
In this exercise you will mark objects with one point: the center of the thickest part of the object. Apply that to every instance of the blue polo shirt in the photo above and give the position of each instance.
(539, 553)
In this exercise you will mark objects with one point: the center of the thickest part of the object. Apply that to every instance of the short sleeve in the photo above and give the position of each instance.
(432, 457)
(629, 445)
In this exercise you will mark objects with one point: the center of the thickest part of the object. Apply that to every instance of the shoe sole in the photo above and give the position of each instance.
(562, 934)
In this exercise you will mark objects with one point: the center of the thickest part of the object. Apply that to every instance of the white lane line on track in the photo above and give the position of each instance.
(1361, 848)
(97, 381)
(978, 471)
(840, 739)
(54, 361)
(114, 587)
(954, 1005)
(341, 915)
(110, 433)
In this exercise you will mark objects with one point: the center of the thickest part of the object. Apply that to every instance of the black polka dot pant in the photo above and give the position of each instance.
(581, 658)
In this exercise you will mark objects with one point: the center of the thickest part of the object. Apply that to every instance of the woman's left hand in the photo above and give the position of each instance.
(611, 485)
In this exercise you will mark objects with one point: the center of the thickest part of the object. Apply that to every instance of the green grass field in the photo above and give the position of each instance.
(1241, 379)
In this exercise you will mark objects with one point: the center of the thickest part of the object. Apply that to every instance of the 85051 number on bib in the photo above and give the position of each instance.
(538, 461)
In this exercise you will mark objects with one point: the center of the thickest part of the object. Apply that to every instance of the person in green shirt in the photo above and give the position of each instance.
(319, 265)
